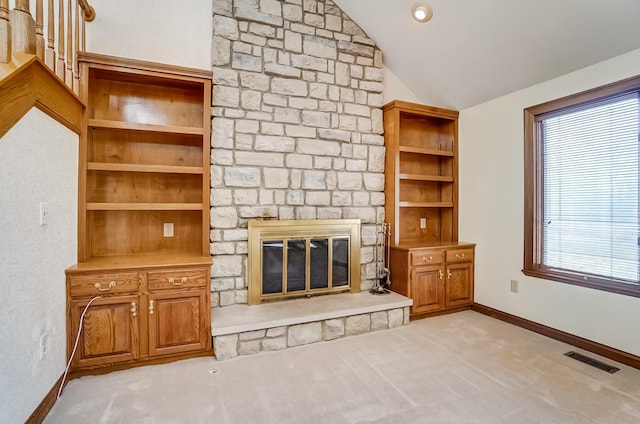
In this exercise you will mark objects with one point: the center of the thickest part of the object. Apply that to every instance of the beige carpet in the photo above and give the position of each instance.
(459, 368)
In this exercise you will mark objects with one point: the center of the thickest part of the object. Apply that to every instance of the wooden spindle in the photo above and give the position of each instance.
(76, 42)
(68, 77)
(60, 67)
(23, 28)
(5, 32)
(39, 30)
(50, 53)
(84, 34)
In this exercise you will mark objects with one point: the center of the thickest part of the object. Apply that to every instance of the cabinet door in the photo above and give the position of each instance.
(459, 286)
(427, 289)
(109, 330)
(178, 322)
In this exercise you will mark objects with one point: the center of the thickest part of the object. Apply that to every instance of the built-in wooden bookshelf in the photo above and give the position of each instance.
(143, 211)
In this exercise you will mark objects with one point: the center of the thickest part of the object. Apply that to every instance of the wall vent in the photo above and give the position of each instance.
(593, 362)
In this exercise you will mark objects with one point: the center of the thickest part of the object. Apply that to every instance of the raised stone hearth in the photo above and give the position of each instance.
(247, 330)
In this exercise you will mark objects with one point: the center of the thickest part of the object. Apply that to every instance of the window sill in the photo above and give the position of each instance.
(611, 286)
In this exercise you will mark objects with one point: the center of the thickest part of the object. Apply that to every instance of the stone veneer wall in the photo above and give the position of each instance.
(297, 127)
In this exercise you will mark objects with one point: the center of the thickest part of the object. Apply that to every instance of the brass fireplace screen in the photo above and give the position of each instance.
(296, 258)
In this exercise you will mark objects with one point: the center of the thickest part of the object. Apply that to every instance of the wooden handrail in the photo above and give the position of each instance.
(88, 12)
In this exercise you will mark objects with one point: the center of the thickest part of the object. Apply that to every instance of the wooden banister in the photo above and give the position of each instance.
(88, 12)
(20, 33)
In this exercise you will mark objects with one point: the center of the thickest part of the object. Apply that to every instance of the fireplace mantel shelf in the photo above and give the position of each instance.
(241, 318)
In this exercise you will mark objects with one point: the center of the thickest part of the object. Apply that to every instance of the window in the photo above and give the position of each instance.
(582, 219)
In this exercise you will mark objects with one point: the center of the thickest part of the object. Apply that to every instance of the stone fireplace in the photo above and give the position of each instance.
(296, 129)
(302, 258)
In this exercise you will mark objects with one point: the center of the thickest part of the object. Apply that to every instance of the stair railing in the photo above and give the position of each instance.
(21, 34)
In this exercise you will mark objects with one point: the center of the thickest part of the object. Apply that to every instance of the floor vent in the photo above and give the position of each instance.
(593, 362)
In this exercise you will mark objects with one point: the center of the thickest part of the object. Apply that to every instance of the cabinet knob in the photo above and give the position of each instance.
(151, 307)
(111, 285)
(441, 274)
(173, 282)
(427, 260)
(449, 274)
(459, 255)
(134, 309)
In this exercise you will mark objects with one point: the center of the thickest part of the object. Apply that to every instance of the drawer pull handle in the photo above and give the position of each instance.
(449, 274)
(425, 260)
(134, 309)
(459, 255)
(441, 274)
(175, 283)
(151, 307)
(111, 285)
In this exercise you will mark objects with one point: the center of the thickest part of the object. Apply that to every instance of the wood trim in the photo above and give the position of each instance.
(181, 71)
(30, 83)
(447, 311)
(43, 409)
(582, 343)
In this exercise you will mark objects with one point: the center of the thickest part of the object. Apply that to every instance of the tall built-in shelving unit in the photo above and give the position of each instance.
(421, 204)
(143, 212)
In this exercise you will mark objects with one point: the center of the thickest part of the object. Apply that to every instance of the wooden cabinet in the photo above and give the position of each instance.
(131, 319)
(143, 212)
(421, 203)
(437, 277)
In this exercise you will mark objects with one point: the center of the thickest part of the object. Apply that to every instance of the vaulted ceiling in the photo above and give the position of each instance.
(473, 51)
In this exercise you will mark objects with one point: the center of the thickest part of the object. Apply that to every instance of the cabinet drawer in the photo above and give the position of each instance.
(459, 255)
(426, 257)
(91, 285)
(160, 280)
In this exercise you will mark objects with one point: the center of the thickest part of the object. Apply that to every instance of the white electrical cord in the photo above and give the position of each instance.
(75, 345)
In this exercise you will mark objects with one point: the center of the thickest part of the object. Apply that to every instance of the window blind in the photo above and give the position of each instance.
(590, 190)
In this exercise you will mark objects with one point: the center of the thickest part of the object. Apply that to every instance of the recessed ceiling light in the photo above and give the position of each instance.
(422, 12)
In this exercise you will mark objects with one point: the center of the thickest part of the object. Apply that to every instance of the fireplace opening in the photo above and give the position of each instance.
(293, 258)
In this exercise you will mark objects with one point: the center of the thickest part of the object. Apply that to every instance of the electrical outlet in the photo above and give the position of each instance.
(44, 213)
(43, 346)
(423, 223)
(514, 286)
(168, 229)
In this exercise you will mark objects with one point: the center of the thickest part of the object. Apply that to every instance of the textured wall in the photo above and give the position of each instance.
(38, 163)
(297, 127)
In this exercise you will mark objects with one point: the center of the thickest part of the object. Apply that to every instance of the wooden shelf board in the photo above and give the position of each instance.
(132, 126)
(144, 206)
(425, 204)
(418, 177)
(423, 151)
(111, 263)
(130, 167)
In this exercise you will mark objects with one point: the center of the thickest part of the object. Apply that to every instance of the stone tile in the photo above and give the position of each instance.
(304, 334)
(357, 324)
(226, 347)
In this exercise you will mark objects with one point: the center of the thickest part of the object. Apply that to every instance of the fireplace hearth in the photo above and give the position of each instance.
(297, 258)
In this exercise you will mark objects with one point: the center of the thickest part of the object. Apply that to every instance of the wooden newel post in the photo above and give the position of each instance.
(5, 32)
(23, 28)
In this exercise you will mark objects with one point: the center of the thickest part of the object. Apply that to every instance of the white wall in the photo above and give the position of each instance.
(491, 214)
(177, 33)
(38, 163)
(394, 89)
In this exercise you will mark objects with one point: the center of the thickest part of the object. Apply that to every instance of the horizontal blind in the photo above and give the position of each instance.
(590, 190)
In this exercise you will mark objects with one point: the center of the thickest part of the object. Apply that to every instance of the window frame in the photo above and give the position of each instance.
(533, 187)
